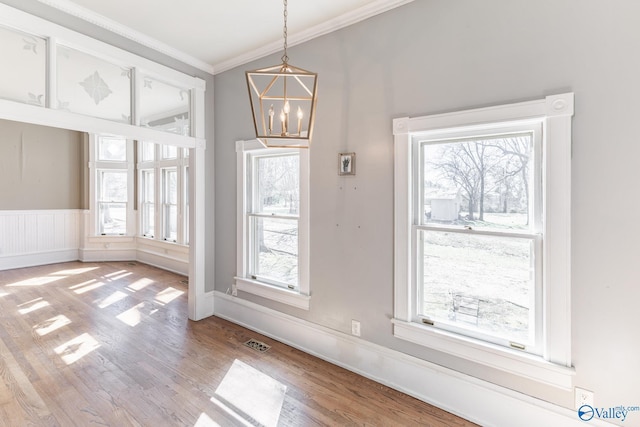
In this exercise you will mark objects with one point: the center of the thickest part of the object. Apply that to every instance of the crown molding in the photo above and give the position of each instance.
(374, 8)
(350, 18)
(122, 30)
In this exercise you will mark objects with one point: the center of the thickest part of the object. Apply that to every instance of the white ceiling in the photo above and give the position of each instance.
(214, 35)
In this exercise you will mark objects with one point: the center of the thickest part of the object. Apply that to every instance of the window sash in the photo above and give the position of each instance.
(532, 342)
(170, 204)
(106, 216)
(274, 265)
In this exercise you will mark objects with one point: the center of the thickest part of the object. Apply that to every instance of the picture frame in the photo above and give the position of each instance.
(346, 163)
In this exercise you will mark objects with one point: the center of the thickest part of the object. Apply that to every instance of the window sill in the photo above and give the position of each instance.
(512, 361)
(285, 296)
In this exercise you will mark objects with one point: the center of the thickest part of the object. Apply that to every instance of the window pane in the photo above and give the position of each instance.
(164, 107)
(479, 182)
(23, 71)
(480, 283)
(92, 86)
(148, 186)
(112, 218)
(278, 184)
(170, 203)
(148, 151)
(169, 152)
(171, 223)
(112, 149)
(148, 223)
(275, 247)
(186, 202)
(147, 197)
(113, 186)
(171, 186)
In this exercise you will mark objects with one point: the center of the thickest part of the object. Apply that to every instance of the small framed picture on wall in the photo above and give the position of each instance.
(347, 164)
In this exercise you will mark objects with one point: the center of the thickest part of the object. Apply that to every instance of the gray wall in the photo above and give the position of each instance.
(434, 56)
(39, 167)
(36, 8)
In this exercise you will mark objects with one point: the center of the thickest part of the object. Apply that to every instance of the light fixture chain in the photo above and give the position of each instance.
(285, 57)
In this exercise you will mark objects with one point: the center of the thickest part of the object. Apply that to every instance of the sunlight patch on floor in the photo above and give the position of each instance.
(88, 287)
(51, 325)
(77, 348)
(168, 295)
(74, 271)
(32, 305)
(79, 285)
(134, 315)
(254, 394)
(37, 281)
(140, 284)
(112, 299)
(120, 276)
(115, 273)
(3, 294)
(205, 420)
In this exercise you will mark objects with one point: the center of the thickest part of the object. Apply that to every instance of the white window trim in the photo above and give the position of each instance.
(299, 298)
(554, 366)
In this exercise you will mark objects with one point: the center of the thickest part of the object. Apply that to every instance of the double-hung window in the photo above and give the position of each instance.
(482, 236)
(272, 223)
(163, 192)
(477, 232)
(112, 189)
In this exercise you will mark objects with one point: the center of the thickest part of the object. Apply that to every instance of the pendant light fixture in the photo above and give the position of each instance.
(283, 101)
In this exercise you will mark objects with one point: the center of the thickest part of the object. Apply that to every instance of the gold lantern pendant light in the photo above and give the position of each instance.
(283, 102)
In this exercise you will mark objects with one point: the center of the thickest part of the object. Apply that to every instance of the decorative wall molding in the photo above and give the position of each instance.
(37, 237)
(468, 397)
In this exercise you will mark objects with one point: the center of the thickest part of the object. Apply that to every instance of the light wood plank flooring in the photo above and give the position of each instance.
(109, 344)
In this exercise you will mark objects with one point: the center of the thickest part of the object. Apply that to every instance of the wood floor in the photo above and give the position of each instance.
(109, 344)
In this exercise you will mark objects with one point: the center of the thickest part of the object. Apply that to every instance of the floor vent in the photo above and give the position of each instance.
(131, 263)
(185, 282)
(257, 345)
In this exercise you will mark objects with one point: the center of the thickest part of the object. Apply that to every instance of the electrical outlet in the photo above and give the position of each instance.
(355, 328)
(583, 397)
(234, 290)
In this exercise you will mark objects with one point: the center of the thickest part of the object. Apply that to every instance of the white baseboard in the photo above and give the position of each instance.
(37, 258)
(206, 309)
(100, 255)
(164, 262)
(468, 397)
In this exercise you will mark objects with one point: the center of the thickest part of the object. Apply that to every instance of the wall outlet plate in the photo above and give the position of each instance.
(355, 328)
(583, 397)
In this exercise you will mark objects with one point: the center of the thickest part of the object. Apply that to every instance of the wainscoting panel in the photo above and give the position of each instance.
(37, 237)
